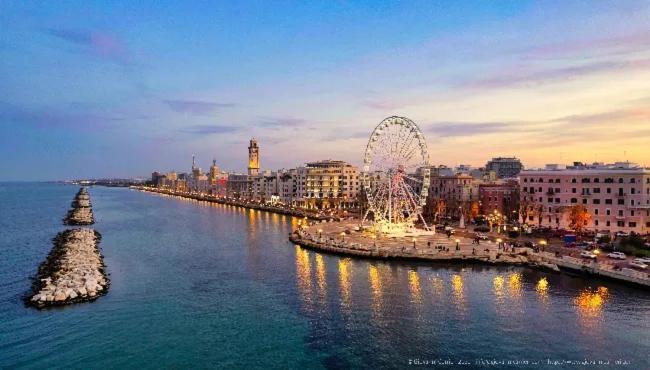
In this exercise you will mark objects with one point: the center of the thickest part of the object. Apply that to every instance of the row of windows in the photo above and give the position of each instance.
(584, 191)
(619, 223)
(584, 180)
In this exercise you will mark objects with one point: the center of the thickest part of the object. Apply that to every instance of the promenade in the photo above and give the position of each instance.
(312, 215)
(345, 237)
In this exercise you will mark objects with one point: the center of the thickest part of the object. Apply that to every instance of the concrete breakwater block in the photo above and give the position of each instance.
(73, 272)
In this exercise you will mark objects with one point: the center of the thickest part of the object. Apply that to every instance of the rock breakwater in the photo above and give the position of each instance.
(81, 212)
(73, 272)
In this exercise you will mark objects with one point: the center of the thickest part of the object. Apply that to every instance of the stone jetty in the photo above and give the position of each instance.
(81, 212)
(73, 272)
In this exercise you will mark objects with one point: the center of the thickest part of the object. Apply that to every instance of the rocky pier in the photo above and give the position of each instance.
(81, 212)
(73, 272)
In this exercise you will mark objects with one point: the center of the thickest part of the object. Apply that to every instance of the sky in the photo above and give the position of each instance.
(94, 89)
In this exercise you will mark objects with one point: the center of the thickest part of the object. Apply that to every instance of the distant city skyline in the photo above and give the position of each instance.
(93, 90)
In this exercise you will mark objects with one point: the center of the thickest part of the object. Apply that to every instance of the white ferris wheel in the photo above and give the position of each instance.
(396, 175)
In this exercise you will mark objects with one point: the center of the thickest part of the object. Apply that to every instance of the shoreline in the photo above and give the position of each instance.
(211, 199)
(525, 257)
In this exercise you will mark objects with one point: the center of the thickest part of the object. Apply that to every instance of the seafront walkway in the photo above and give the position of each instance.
(346, 237)
(290, 211)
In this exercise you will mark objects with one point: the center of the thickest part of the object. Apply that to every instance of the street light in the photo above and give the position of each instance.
(414, 240)
(543, 244)
(457, 244)
(320, 233)
(343, 236)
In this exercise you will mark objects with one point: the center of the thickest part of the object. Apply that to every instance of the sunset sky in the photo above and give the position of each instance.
(118, 89)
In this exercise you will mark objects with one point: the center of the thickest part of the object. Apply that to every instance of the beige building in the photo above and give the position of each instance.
(617, 196)
(327, 184)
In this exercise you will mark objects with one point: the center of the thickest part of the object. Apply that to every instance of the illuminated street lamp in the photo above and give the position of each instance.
(543, 243)
(320, 233)
(343, 236)
(414, 240)
(457, 244)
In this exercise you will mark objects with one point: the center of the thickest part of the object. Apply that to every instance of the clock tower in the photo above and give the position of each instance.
(253, 158)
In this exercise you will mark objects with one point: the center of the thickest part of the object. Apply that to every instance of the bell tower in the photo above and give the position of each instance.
(253, 158)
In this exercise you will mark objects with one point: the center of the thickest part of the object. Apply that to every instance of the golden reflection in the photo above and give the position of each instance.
(275, 218)
(320, 275)
(437, 286)
(498, 284)
(414, 287)
(542, 289)
(589, 305)
(344, 281)
(515, 285)
(458, 292)
(375, 286)
(303, 273)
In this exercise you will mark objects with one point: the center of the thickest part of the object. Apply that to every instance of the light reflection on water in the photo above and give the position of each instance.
(589, 305)
(287, 307)
(344, 283)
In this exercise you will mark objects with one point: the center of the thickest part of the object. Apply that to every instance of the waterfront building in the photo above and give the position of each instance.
(505, 167)
(288, 186)
(452, 196)
(327, 184)
(617, 196)
(239, 186)
(500, 197)
(253, 158)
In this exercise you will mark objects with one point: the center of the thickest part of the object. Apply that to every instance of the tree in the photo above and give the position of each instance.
(579, 217)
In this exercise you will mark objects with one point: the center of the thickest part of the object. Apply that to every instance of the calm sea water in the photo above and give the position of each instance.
(201, 285)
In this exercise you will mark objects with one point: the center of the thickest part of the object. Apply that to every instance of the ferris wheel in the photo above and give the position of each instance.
(396, 177)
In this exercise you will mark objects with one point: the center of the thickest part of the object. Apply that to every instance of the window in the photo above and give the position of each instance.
(596, 201)
(620, 213)
(596, 222)
(596, 190)
(609, 190)
(609, 223)
(632, 213)
(584, 201)
(621, 202)
(608, 211)
(574, 190)
(596, 211)
(631, 224)
(596, 179)
(574, 181)
(620, 180)
(574, 200)
(620, 223)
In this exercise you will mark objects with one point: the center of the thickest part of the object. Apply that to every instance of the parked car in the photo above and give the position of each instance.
(449, 229)
(621, 234)
(589, 255)
(637, 264)
(617, 255)
(645, 260)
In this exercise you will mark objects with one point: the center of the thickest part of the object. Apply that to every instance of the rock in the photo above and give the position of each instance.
(59, 296)
(82, 291)
(72, 295)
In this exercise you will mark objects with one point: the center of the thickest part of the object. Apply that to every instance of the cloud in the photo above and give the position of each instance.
(196, 107)
(458, 129)
(282, 122)
(100, 44)
(52, 118)
(209, 129)
(529, 75)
